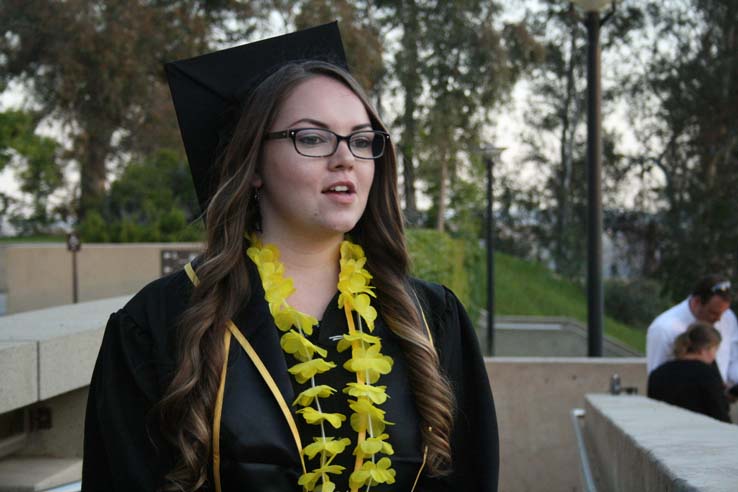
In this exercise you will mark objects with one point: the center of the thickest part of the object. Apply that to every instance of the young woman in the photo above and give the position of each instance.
(692, 381)
(296, 353)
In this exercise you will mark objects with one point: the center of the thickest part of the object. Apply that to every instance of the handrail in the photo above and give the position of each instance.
(578, 414)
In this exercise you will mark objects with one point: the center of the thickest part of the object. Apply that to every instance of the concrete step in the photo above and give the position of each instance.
(33, 474)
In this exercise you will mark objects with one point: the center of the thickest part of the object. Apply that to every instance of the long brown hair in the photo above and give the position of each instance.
(186, 409)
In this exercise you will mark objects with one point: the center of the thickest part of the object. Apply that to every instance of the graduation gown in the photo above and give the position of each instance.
(124, 451)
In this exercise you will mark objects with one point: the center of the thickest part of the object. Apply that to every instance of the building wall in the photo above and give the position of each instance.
(36, 276)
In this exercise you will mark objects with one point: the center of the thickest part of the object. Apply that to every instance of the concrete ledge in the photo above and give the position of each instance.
(643, 444)
(33, 474)
(51, 351)
(18, 366)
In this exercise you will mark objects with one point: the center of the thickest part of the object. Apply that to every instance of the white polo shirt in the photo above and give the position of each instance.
(673, 322)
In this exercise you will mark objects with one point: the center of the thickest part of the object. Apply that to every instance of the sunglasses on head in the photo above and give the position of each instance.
(723, 286)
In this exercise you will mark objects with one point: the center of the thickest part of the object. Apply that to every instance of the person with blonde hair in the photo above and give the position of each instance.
(692, 380)
(296, 353)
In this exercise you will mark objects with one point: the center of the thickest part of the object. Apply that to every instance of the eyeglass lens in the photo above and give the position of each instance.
(314, 142)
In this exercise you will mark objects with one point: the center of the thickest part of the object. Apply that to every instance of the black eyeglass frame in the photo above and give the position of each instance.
(292, 135)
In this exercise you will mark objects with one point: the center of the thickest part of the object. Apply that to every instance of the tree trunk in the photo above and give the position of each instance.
(442, 192)
(410, 82)
(95, 150)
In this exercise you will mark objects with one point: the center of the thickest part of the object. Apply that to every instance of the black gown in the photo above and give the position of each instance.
(690, 384)
(123, 450)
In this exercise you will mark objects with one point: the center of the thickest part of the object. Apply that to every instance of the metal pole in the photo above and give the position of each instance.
(75, 282)
(595, 296)
(490, 261)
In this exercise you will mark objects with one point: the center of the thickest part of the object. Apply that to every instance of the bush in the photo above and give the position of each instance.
(634, 302)
(436, 257)
(152, 201)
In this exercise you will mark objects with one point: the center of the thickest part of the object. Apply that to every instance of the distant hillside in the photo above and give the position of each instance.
(527, 288)
(522, 287)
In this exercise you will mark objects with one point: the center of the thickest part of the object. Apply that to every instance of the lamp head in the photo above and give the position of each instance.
(592, 5)
(491, 152)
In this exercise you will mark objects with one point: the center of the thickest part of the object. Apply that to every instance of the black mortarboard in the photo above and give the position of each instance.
(207, 89)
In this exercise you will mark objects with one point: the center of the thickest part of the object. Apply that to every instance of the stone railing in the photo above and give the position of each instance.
(636, 443)
(46, 359)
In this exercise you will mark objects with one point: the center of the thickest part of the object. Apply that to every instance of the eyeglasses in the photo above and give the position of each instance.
(723, 286)
(320, 142)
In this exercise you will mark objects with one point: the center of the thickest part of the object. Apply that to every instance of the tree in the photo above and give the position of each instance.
(35, 159)
(684, 101)
(97, 66)
(138, 208)
(556, 132)
(453, 66)
(360, 36)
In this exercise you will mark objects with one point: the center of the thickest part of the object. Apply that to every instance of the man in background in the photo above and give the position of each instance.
(709, 302)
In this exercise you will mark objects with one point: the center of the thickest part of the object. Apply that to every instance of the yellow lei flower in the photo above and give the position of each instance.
(367, 362)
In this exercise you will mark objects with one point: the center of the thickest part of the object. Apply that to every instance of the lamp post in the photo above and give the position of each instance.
(595, 294)
(490, 153)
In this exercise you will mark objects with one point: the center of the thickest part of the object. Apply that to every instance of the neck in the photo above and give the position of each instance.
(700, 356)
(313, 267)
(299, 254)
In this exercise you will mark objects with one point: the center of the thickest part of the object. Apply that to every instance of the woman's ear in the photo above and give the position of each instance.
(256, 181)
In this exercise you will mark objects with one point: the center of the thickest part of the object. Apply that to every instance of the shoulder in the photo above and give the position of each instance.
(437, 301)
(452, 331)
(670, 320)
(153, 312)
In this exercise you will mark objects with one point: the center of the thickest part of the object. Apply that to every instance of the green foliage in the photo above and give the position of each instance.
(436, 257)
(361, 40)
(555, 137)
(634, 302)
(35, 160)
(684, 104)
(152, 201)
(97, 65)
(454, 64)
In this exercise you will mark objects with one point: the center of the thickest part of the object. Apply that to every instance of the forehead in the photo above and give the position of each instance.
(323, 99)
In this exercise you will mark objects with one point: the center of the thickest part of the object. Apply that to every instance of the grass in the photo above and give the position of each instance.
(529, 289)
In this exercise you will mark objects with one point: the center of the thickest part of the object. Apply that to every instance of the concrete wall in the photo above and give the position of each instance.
(533, 397)
(549, 336)
(642, 444)
(35, 276)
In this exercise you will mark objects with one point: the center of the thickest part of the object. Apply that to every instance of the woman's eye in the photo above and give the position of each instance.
(361, 142)
(310, 138)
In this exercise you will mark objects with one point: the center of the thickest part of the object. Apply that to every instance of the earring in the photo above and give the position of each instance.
(257, 194)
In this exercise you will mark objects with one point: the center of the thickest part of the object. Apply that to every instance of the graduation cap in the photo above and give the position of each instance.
(208, 89)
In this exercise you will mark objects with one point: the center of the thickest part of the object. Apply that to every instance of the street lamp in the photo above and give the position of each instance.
(491, 154)
(595, 295)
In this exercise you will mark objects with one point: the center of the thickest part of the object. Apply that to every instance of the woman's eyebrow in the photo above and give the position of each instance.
(320, 124)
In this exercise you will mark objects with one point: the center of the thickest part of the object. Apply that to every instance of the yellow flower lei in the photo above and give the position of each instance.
(367, 362)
